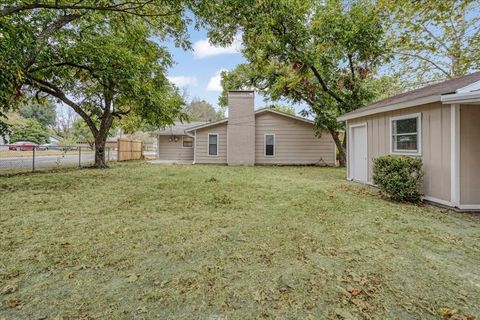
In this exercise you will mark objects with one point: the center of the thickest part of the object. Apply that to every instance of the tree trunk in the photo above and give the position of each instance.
(102, 133)
(341, 146)
(100, 141)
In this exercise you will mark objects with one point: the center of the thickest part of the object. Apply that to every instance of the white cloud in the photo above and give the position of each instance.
(214, 84)
(203, 48)
(183, 81)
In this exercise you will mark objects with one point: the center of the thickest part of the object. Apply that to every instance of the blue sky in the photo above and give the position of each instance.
(197, 72)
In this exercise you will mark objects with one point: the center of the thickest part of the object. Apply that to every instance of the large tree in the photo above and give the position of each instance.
(44, 112)
(201, 110)
(101, 62)
(29, 130)
(322, 53)
(65, 118)
(434, 40)
(80, 132)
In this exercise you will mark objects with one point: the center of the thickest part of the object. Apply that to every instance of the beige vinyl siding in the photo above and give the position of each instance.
(469, 155)
(295, 141)
(173, 150)
(201, 148)
(436, 142)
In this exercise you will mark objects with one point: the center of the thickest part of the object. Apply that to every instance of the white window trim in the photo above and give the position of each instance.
(183, 138)
(419, 134)
(208, 145)
(265, 145)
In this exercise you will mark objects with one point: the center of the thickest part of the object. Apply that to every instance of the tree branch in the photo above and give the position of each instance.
(128, 7)
(352, 69)
(324, 85)
(47, 33)
(56, 92)
(434, 37)
(414, 55)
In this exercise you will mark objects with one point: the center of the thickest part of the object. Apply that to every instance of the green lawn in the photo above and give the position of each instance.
(144, 241)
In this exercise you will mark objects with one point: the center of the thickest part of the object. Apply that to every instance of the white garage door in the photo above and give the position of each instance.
(359, 153)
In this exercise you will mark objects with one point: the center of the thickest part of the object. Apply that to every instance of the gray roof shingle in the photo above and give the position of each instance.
(441, 88)
(178, 128)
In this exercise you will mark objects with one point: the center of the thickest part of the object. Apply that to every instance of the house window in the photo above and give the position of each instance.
(405, 134)
(269, 145)
(212, 144)
(187, 142)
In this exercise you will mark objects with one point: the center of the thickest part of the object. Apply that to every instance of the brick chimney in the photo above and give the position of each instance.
(241, 128)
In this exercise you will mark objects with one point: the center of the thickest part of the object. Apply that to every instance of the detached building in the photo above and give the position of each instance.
(439, 123)
(247, 137)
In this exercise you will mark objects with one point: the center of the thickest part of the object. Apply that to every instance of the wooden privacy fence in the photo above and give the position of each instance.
(129, 150)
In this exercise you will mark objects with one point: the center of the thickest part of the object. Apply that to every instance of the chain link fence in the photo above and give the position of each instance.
(28, 157)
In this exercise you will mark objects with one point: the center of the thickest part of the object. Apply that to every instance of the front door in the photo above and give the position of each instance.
(359, 164)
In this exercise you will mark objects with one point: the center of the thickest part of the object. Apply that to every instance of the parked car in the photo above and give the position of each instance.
(22, 146)
(49, 146)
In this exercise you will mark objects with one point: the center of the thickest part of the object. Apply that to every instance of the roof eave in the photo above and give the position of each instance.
(390, 107)
(462, 97)
(206, 125)
(169, 133)
(284, 114)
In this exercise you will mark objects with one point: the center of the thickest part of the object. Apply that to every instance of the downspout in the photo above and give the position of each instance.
(158, 146)
(455, 154)
(195, 147)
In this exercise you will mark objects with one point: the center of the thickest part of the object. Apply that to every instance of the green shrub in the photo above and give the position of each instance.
(399, 177)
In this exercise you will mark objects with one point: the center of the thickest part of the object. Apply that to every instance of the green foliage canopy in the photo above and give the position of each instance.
(282, 108)
(434, 40)
(324, 54)
(103, 63)
(44, 112)
(201, 110)
(30, 130)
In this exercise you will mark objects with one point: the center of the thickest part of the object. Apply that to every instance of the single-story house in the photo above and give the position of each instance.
(440, 123)
(247, 137)
(175, 143)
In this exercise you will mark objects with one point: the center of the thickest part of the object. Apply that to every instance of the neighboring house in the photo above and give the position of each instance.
(54, 140)
(440, 123)
(247, 137)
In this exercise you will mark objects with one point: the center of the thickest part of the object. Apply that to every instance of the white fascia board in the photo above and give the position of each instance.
(465, 97)
(392, 107)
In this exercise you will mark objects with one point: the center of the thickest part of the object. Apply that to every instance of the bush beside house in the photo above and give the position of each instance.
(399, 177)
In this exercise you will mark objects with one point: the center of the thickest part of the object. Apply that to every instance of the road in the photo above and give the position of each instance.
(45, 161)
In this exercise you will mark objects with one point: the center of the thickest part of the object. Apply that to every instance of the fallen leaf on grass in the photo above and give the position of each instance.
(132, 278)
(444, 310)
(453, 314)
(13, 303)
(354, 292)
(65, 244)
(12, 274)
(308, 305)
(8, 289)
